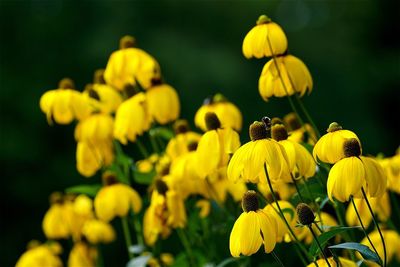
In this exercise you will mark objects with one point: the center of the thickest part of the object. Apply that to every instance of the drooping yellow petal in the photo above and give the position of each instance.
(208, 153)
(345, 179)
(375, 177)
(163, 103)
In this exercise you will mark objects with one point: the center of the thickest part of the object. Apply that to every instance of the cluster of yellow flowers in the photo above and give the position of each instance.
(286, 164)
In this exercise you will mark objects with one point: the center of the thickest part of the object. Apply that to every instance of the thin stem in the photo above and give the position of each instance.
(138, 230)
(142, 148)
(186, 245)
(282, 214)
(377, 226)
(277, 258)
(154, 144)
(297, 188)
(319, 245)
(319, 228)
(304, 109)
(301, 256)
(284, 85)
(127, 235)
(363, 228)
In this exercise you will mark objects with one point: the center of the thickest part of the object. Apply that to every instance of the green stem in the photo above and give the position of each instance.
(138, 230)
(377, 226)
(154, 144)
(283, 216)
(142, 148)
(363, 228)
(186, 244)
(319, 245)
(284, 85)
(127, 235)
(297, 188)
(277, 258)
(304, 109)
(301, 256)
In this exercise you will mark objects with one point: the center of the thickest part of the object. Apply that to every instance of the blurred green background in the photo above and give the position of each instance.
(350, 47)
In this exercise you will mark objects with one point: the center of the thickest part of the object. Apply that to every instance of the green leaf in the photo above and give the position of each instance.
(326, 236)
(364, 250)
(162, 132)
(145, 178)
(89, 190)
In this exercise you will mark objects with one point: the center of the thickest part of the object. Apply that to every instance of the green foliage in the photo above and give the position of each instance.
(89, 190)
(364, 250)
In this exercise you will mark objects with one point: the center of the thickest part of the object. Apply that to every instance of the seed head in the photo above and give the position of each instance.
(305, 214)
(212, 121)
(278, 132)
(352, 148)
(250, 201)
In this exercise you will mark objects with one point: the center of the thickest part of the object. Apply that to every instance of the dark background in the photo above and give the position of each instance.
(350, 47)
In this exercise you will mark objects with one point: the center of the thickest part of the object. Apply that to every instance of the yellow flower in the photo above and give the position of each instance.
(56, 220)
(343, 263)
(64, 104)
(290, 214)
(83, 205)
(82, 255)
(97, 231)
(90, 157)
(264, 40)
(130, 64)
(299, 159)
(349, 175)
(176, 210)
(184, 140)
(132, 119)
(294, 78)
(102, 97)
(392, 242)
(95, 128)
(391, 167)
(247, 163)
(163, 102)
(165, 259)
(253, 228)
(204, 206)
(42, 255)
(215, 146)
(380, 205)
(221, 186)
(329, 147)
(228, 114)
(115, 199)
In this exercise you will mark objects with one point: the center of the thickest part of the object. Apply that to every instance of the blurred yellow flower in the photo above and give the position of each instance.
(282, 232)
(42, 255)
(266, 39)
(132, 119)
(184, 140)
(163, 102)
(343, 263)
(129, 65)
(297, 132)
(56, 220)
(82, 255)
(284, 76)
(380, 205)
(91, 157)
(204, 206)
(391, 166)
(115, 199)
(95, 128)
(228, 114)
(97, 231)
(392, 242)
(64, 104)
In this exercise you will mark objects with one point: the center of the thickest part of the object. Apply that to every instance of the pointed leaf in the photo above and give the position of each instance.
(326, 236)
(364, 250)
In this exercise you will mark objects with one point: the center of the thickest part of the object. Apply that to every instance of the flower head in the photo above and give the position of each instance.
(115, 199)
(247, 163)
(253, 228)
(266, 39)
(284, 76)
(130, 65)
(329, 148)
(228, 114)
